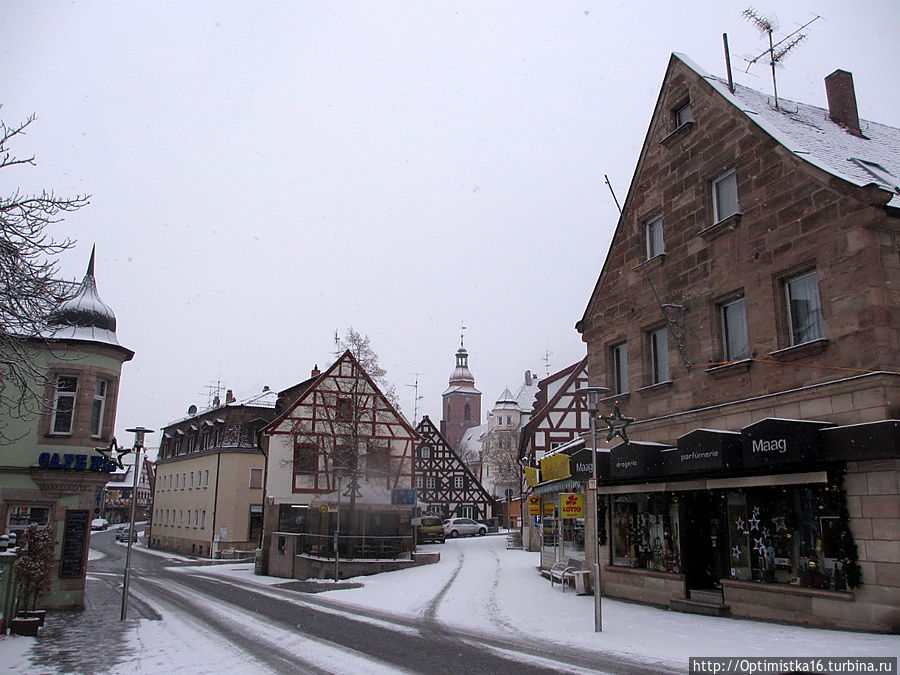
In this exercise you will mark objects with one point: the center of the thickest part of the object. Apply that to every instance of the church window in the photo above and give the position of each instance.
(467, 412)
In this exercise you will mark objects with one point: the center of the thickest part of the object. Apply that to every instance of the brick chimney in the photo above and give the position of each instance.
(229, 397)
(842, 101)
(315, 371)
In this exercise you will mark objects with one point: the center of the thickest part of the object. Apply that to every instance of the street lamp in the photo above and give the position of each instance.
(139, 433)
(593, 402)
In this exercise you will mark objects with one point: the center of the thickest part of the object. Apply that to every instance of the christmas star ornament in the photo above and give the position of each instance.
(113, 448)
(756, 512)
(759, 546)
(740, 524)
(616, 424)
(754, 524)
(736, 552)
(779, 524)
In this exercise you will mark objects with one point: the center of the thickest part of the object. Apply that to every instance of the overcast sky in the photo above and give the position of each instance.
(264, 173)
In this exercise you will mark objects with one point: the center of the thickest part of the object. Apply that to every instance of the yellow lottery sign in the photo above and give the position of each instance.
(571, 506)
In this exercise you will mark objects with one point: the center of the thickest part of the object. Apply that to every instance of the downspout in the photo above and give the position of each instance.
(212, 543)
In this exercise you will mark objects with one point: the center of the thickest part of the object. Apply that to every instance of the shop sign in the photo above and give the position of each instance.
(548, 509)
(531, 476)
(76, 462)
(776, 441)
(403, 497)
(635, 460)
(534, 505)
(582, 464)
(703, 450)
(571, 506)
(555, 467)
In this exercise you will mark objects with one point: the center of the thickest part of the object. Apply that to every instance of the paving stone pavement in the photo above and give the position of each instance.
(90, 641)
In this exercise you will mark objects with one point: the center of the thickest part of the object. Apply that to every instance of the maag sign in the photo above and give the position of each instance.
(571, 506)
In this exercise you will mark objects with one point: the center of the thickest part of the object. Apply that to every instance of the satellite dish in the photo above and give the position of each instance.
(192, 410)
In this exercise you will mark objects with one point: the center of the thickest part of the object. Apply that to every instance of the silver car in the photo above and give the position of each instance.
(456, 527)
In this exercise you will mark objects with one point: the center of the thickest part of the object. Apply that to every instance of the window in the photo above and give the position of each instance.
(306, 458)
(458, 482)
(659, 356)
(203, 519)
(206, 478)
(425, 452)
(344, 409)
(804, 308)
(467, 412)
(98, 408)
(20, 517)
(377, 461)
(725, 196)
(620, 368)
(419, 482)
(64, 404)
(256, 479)
(508, 420)
(183, 481)
(734, 330)
(192, 480)
(429, 482)
(654, 238)
(683, 115)
(196, 517)
(176, 481)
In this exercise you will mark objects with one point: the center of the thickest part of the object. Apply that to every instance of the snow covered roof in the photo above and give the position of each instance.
(809, 132)
(506, 401)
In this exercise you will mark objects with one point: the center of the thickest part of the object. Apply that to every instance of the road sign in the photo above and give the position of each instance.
(592, 483)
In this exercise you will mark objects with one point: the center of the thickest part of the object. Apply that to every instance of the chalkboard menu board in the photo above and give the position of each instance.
(74, 541)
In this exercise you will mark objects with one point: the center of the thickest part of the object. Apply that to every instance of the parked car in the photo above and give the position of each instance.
(123, 534)
(455, 527)
(99, 524)
(430, 529)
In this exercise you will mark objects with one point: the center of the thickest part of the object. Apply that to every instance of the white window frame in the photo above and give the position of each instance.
(815, 329)
(730, 179)
(656, 244)
(419, 482)
(429, 483)
(735, 338)
(458, 483)
(659, 355)
(98, 408)
(620, 368)
(60, 395)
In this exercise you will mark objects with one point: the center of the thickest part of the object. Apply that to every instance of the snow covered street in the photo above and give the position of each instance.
(479, 587)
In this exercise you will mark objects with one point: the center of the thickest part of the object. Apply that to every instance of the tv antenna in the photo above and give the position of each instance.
(416, 400)
(777, 50)
(546, 360)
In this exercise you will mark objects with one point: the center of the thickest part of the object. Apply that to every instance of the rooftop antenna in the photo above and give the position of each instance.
(462, 331)
(213, 394)
(612, 192)
(546, 360)
(416, 400)
(778, 50)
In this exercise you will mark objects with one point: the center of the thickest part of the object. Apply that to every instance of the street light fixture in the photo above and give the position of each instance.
(593, 403)
(139, 433)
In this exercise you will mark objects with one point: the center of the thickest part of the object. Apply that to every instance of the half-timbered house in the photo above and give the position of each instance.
(443, 482)
(560, 415)
(340, 459)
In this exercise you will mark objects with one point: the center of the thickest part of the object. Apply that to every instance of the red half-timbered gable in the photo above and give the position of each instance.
(444, 482)
(560, 414)
(341, 425)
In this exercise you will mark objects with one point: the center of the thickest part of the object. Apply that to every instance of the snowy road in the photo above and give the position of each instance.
(482, 608)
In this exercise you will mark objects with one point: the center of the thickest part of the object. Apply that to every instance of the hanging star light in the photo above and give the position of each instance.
(616, 424)
(754, 524)
(779, 523)
(756, 512)
(740, 525)
(113, 448)
(736, 552)
(759, 546)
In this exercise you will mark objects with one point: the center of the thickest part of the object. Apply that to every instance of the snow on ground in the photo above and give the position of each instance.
(480, 586)
(499, 591)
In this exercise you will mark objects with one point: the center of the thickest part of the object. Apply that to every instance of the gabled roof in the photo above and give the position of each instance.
(804, 130)
(809, 133)
(314, 383)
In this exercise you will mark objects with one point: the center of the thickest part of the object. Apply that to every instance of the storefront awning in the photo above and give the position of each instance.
(636, 459)
(703, 450)
(776, 442)
(551, 487)
(873, 440)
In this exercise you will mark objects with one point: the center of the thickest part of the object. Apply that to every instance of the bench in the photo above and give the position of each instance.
(562, 573)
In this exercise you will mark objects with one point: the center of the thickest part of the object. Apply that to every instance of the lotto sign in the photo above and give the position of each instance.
(571, 506)
(534, 505)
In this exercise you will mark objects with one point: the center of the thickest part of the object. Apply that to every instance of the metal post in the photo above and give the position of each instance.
(337, 531)
(593, 402)
(139, 433)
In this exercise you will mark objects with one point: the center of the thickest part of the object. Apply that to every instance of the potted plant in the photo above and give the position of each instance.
(34, 572)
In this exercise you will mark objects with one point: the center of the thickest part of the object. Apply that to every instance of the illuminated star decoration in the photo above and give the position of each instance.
(779, 523)
(756, 512)
(616, 424)
(759, 546)
(736, 552)
(740, 525)
(754, 524)
(114, 448)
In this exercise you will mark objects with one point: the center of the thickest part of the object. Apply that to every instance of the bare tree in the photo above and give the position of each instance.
(501, 454)
(361, 347)
(29, 289)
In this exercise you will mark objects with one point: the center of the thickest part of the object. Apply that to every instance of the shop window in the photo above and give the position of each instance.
(98, 408)
(646, 532)
(654, 232)
(725, 196)
(804, 308)
(19, 517)
(788, 535)
(735, 342)
(64, 404)
(562, 536)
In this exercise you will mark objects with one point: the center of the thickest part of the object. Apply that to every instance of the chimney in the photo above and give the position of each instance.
(528, 378)
(315, 371)
(229, 397)
(842, 101)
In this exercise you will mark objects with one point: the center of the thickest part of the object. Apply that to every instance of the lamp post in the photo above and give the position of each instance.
(139, 433)
(593, 402)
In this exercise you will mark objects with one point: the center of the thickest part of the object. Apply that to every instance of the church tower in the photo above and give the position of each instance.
(462, 401)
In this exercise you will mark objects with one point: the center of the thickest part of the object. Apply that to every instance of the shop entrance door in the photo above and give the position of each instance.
(704, 539)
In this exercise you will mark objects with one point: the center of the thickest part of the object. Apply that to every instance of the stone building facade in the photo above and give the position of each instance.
(745, 317)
